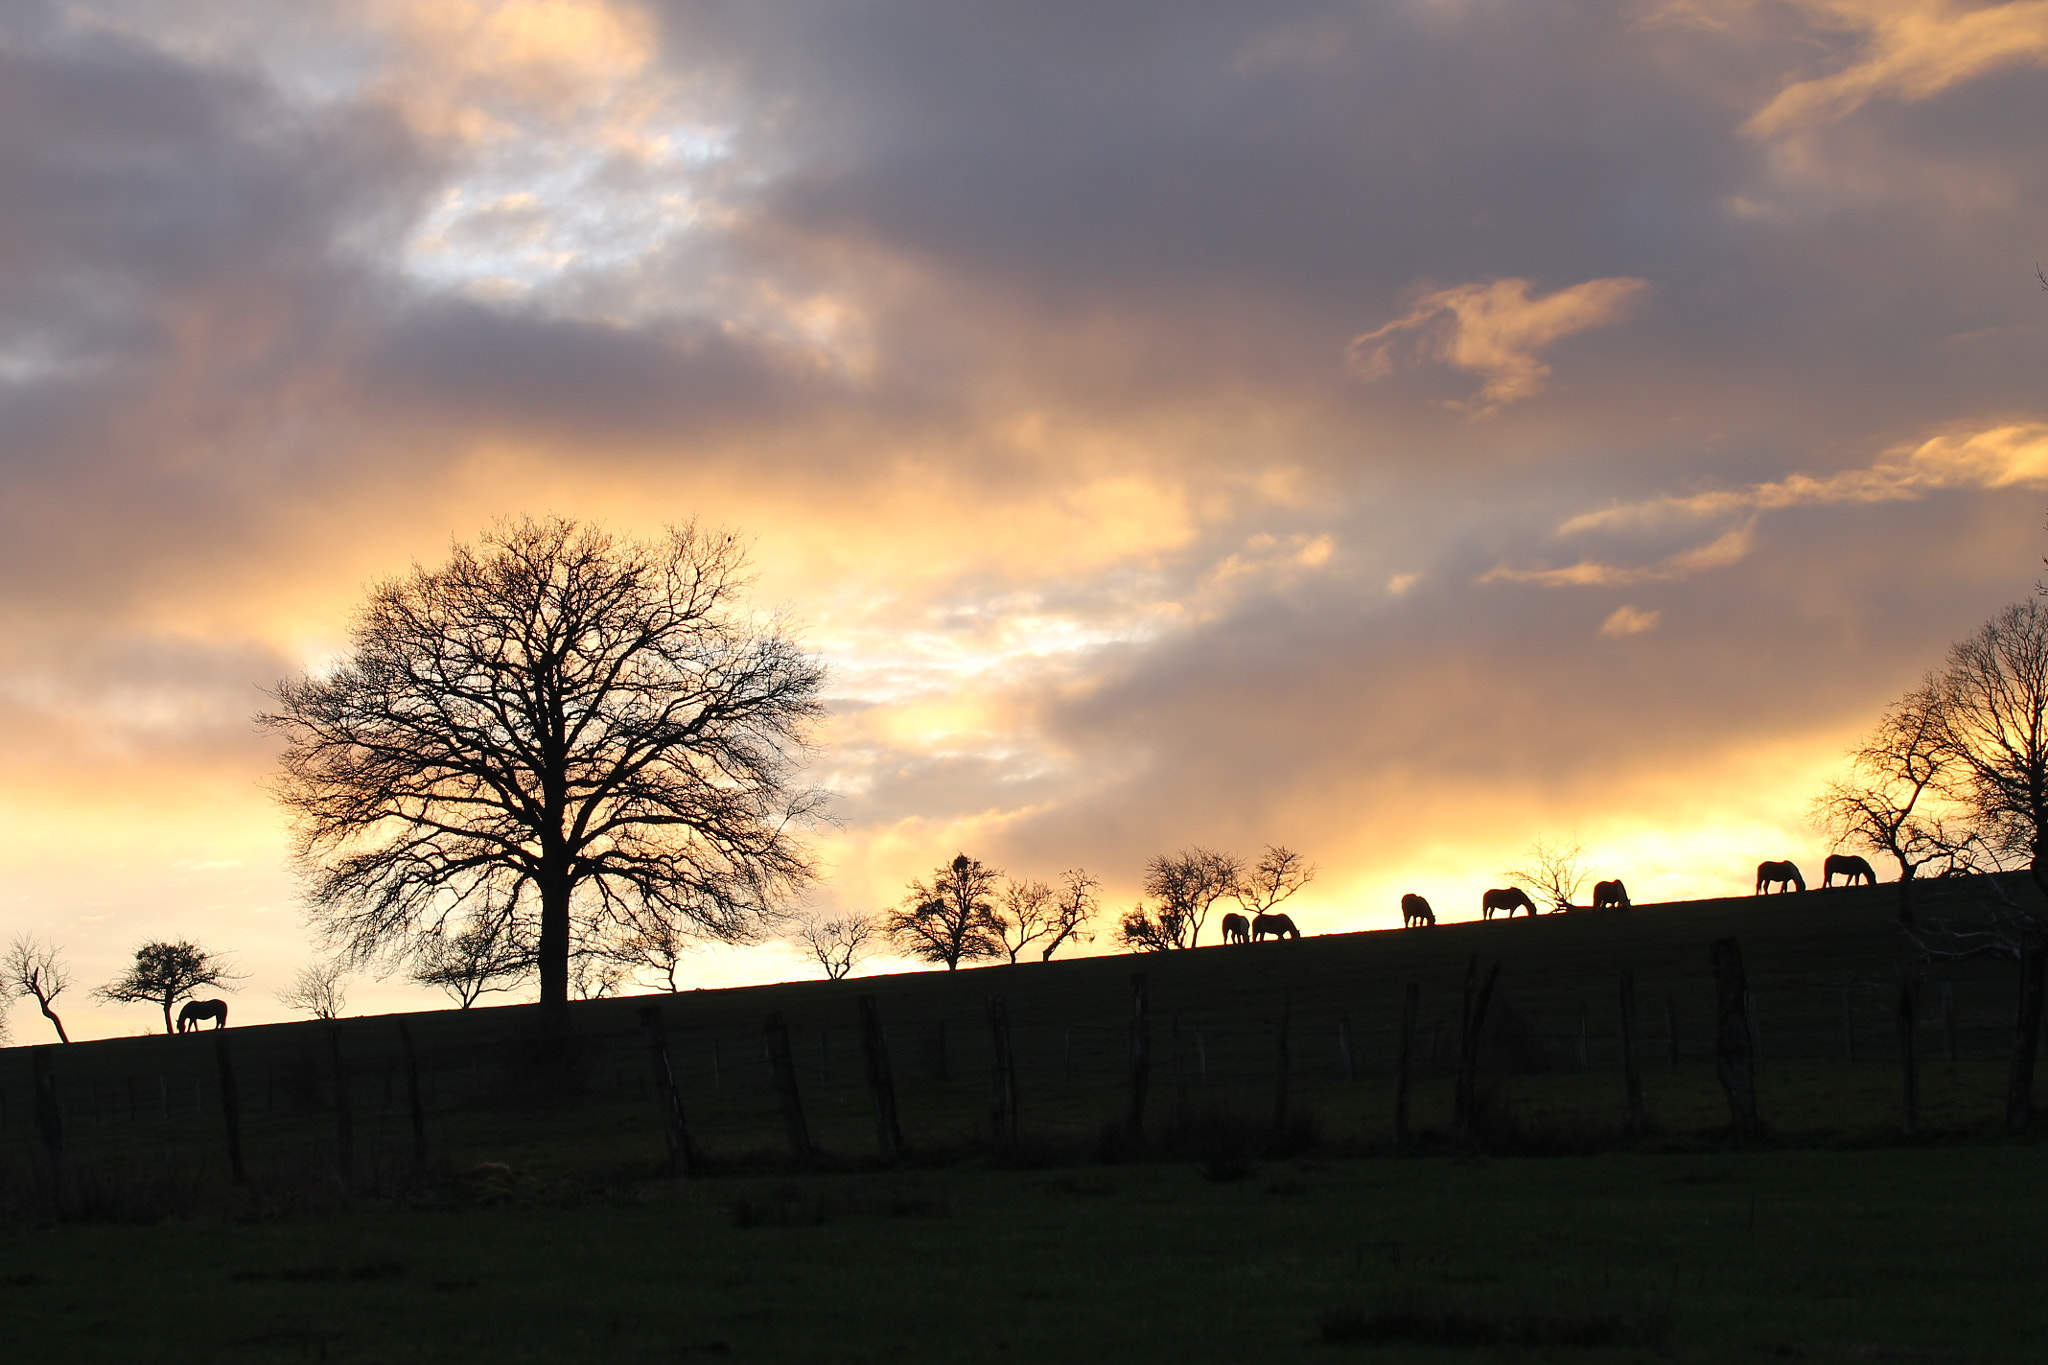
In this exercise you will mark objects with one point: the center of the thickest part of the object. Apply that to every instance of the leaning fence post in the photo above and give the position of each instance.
(1909, 1063)
(344, 1117)
(675, 1135)
(1282, 1064)
(1631, 1070)
(1404, 1061)
(1141, 1055)
(881, 1083)
(2026, 1042)
(1468, 1047)
(230, 1106)
(783, 1066)
(417, 1110)
(49, 1114)
(1002, 1091)
(1734, 1055)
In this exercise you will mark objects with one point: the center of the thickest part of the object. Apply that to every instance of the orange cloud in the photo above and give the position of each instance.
(1495, 330)
(1718, 553)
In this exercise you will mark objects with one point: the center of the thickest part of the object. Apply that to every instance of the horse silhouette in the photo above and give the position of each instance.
(1786, 875)
(1848, 867)
(1236, 928)
(197, 1012)
(1279, 926)
(1415, 910)
(1508, 898)
(1610, 895)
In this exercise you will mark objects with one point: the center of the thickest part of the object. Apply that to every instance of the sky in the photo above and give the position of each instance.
(1400, 431)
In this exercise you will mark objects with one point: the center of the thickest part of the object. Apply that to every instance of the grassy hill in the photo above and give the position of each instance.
(1823, 967)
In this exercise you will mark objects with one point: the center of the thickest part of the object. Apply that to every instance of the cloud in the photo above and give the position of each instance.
(1627, 620)
(1496, 330)
(1724, 550)
(2006, 456)
(1911, 50)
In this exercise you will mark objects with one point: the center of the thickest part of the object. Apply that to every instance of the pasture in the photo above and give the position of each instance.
(1248, 1218)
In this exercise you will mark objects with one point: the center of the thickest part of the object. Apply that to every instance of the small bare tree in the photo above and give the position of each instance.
(1182, 886)
(952, 918)
(317, 990)
(839, 943)
(659, 945)
(1554, 871)
(485, 956)
(1033, 912)
(165, 973)
(1278, 874)
(31, 967)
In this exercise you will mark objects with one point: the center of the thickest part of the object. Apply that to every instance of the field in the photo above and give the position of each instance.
(538, 1229)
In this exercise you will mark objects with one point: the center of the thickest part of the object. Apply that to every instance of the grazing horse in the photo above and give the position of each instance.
(197, 1012)
(1236, 928)
(1508, 898)
(1610, 895)
(1785, 875)
(1279, 926)
(1848, 867)
(1415, 910)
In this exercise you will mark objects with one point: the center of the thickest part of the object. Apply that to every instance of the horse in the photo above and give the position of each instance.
(1415, 910)
(1610, 895)
(1779, 874)
(1279, 926)
(1236, 928)
(197, 1012)
(1508, 898)
(1848, 867)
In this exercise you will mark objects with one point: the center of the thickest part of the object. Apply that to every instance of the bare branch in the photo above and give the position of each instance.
(953, 918)
(838, 944)
(317, 990)
(33, 968)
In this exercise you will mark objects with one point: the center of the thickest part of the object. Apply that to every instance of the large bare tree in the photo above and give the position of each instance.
(1032, 912)
(558, 735)
(31, 967)
(1278, 874)
(1990, 701)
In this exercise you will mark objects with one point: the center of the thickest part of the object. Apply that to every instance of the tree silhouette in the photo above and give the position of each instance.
(476, 960)
(317, 990)
(165, 973)
(1278, 874)
(952, 918)
(837, 944)
(1182, 886)
(1032, 912)
(32, 968)
(1556, 871)
(560, 732)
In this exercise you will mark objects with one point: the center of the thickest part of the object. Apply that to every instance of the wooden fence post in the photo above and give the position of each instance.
(344, 1116)
(1582, 1035)
(1282, 1064)
(1404, 1061)
(230, 1106)
(717, 1072)
(1344, 1050)
(1848, 1025)
(941, 1069)
(783, 1067)
(1948, 1022)
(1180, 1078)
(1631, 1070)
(1465, 1103)
(1671, 1028)
(1141, 1055)
(2026, 1042)
(1909, 1063)
(675, 1134)
(1002, 1090)
(416, 1109)
(1734, 1054)
(881, 1083)
(49, 1113)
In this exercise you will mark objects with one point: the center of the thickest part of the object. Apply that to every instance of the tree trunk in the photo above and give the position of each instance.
(553, 950)
(51, 1015)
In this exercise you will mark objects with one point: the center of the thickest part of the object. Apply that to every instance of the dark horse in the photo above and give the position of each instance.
(1785, 875)
(1236, 928)
(1508, 898)
(1848, 867)
(1610, 895)
(1415, 910)
(1279, 926)
(197, 1012)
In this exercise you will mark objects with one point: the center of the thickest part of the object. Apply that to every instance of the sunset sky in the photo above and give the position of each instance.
(1402, 431)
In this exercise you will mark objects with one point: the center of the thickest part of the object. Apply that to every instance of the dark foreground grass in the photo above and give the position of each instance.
(1906, 1254)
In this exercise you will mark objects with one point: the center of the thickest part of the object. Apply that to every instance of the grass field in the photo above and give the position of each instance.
(538, 1231)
